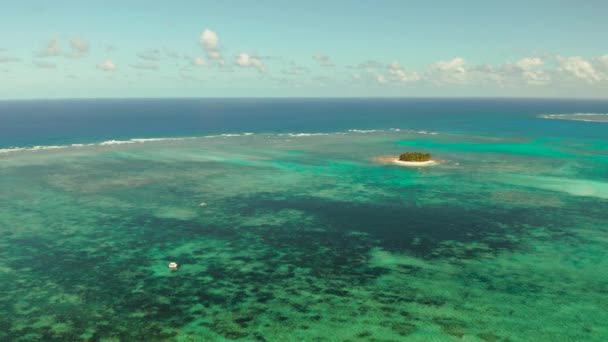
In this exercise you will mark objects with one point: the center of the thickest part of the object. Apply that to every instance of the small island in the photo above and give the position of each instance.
(408, 159)
(415, 157)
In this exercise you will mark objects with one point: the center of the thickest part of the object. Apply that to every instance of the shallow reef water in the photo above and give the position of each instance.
(305, 238)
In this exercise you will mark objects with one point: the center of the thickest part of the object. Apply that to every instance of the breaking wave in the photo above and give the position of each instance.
(103, 143)
(588, 117)
(114, 142)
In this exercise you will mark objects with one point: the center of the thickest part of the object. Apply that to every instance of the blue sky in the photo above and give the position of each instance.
(75, 49)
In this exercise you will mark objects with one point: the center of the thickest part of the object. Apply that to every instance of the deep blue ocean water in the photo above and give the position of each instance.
(55, 122)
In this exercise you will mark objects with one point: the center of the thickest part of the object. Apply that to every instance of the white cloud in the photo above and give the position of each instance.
(245, 60)
(448, 72)
(51, 49)
(209, 39)
(80, 47)
(107, 65)
(380, 78)
(397, 73)
(382, 73)
(484, 74)
(323, 60)
(529, 63)
(526, 71)
(210, 42)
(530, 72)
(199, 61)
(602, 64)
(579, 68)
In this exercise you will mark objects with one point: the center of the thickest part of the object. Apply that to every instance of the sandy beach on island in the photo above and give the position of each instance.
(396, 161)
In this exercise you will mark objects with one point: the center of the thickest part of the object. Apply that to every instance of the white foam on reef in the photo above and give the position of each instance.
(137, 141)
(114, 142)
(365, 130)
(35, 148)
(356, 131)
(303, 134)
(12, 149)
(103, 143)
(228, 135)
(587, 117)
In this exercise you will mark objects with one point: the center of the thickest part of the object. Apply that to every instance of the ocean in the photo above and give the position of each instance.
(287, 226)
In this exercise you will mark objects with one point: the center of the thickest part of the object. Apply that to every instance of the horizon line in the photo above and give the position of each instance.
(310, 98)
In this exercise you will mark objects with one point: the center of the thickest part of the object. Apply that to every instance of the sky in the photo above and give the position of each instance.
(356, 48)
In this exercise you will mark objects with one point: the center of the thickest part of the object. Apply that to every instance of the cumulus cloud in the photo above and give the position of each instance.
(529, 63)
(532, 71)
(601, 63)
(199, 61)
(79, 46)
(376, 72)
(210, 42)
(397, 73)
(529, 69)
(106, 65)
(51, 49)
(603, 60)
(489, 74)
(448, 72)
(526, 71)
(323, 60)
(245, 60)
(579, 68)
(380, 78)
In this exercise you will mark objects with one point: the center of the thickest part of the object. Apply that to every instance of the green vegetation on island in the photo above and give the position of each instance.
(415, 157)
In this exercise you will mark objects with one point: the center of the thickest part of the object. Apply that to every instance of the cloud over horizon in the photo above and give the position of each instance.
(107, 65)
(210, 42)
(245, 60)
(540, 71)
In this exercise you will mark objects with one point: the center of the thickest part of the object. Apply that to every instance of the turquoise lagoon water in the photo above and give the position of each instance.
(304, 236)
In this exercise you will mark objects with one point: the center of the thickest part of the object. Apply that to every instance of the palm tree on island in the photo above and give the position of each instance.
(415, 157)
